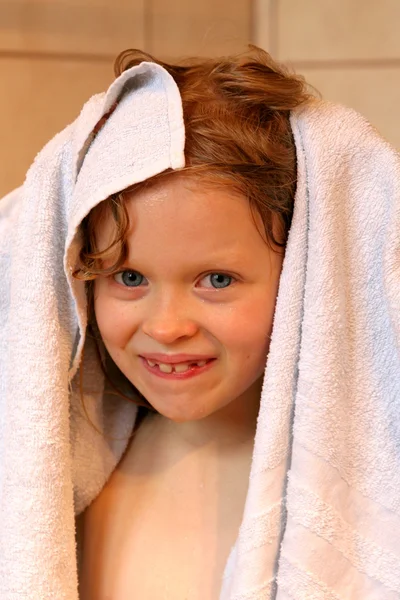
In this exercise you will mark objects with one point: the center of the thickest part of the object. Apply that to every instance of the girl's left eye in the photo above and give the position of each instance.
(218, 280)
(129, 278)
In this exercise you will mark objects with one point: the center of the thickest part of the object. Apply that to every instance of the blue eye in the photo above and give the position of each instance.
(219, 280)
(129, 278)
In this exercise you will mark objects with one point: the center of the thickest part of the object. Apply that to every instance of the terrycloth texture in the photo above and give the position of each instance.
(322, 516)
(52, 460)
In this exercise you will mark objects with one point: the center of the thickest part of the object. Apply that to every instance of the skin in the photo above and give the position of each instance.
(180, 235)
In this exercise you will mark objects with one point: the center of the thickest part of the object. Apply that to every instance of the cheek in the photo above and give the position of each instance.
(245, 333)
(115, 323)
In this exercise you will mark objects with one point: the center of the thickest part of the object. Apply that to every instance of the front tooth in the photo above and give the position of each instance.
(181, 367)
(164, 368)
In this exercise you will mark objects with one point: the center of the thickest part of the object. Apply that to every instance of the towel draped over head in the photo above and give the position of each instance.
(322, 514)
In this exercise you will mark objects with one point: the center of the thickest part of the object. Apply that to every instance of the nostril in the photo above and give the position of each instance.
(170, 331)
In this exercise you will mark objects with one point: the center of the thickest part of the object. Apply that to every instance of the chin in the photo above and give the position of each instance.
(181, 414)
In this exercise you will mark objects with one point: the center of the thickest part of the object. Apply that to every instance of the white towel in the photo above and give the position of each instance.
(322, 515)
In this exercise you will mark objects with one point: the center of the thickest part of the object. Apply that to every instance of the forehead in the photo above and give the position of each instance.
(181, 214)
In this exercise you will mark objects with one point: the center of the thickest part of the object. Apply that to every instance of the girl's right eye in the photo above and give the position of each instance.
(129, 278)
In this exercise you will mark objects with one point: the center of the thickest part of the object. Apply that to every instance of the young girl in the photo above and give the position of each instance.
(225, 290)
(183, 273)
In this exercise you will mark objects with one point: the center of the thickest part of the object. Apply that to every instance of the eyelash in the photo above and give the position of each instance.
(231, 277)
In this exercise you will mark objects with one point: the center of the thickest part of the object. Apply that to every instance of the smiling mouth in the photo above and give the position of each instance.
(182, 367)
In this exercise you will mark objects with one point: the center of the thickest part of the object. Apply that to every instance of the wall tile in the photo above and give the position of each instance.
(338, 29)
(39, 98)
(209, 27)
(82, 26)
(373, 92)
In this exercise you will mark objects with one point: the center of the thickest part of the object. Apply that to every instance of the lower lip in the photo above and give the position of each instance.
(191, 372)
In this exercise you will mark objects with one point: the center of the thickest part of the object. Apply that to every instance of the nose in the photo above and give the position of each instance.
(169, 321)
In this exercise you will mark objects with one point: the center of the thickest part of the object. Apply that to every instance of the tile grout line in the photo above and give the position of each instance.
(273, 25)
(147, 26)
(60, 56)
(328, 64)
(331, 64)
(252, 21)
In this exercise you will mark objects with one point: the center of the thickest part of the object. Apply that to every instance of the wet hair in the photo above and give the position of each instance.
(237, 135)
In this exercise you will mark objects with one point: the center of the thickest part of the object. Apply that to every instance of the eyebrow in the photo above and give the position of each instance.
(212, 261)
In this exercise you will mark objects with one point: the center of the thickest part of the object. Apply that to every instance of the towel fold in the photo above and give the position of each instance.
(322, 517)
(322, 514)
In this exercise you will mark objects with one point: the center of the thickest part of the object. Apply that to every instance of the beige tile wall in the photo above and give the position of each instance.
(55, 54)
(348, 49)
(205, 27)
(97, 27)
(338, 29)
(39, 99)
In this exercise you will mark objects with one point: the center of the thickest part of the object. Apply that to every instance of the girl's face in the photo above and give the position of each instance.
(199, 286)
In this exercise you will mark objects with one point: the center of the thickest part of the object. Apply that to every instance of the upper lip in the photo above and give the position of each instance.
(171, 359)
